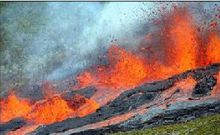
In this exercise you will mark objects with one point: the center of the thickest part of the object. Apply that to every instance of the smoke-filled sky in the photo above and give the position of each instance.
(49, 41)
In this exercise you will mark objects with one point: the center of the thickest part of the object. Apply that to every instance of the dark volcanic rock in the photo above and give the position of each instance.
(157, 86)
(204, 86)
(167, 117)
(185, 114)
(86, 92)
(204, 71)
(12, 125)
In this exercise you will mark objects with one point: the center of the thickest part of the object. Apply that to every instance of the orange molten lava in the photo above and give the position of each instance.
(50, 110)
(13, 107)
(46, 111)
(126, 70)
(57, 109)
(213, 51)
(183, 49)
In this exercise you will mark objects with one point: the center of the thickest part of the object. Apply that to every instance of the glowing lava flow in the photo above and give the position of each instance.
(46, 111)
(125, 71)
(182, 49)
(51, 110)
(213, 51)
(13, 107)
